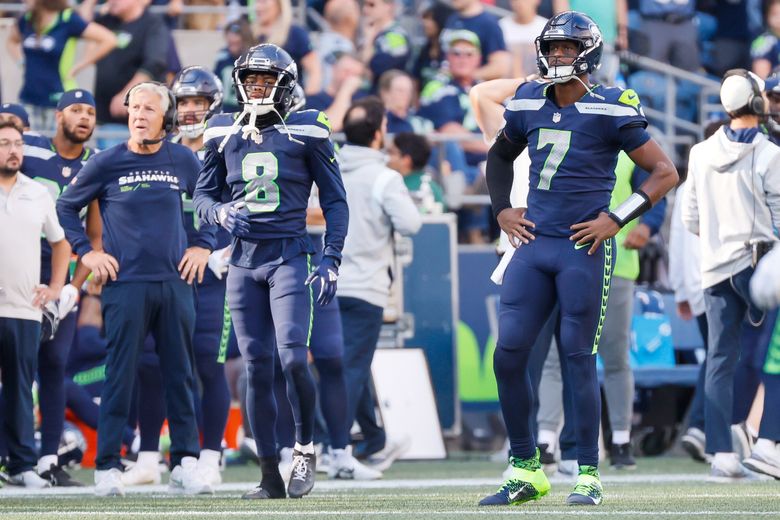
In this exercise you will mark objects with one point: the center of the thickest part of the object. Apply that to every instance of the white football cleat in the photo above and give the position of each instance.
(344, 466)
(146, 470)
(186, 480)
(29, 479)
(394, 449)
(108, 483)
(208, 467)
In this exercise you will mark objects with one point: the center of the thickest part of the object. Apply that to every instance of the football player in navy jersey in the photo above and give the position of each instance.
(268, 159)
(574, 132)
(54, 162)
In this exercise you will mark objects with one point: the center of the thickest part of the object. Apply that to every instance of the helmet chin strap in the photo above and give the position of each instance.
(569, 75)
(254, 109)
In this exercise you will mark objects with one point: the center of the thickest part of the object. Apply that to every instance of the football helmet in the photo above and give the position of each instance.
(266, 58)
(197, 81)
(570, 26)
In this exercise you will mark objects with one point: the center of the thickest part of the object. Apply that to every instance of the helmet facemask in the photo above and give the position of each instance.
(195, 130)
(549, 65)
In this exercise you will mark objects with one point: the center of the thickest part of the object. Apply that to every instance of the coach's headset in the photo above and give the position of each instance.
(755, 102)
(169, 119)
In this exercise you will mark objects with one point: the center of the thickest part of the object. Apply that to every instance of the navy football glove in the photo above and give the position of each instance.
(230, 217)
(327, 273)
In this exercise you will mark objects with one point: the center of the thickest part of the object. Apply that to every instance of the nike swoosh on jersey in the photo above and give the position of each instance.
(580, 246)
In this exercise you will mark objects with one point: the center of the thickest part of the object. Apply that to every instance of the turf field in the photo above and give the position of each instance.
(659, 488)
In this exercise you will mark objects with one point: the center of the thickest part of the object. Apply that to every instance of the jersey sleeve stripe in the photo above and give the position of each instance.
(605, 109)
(218, 131)
(517, 105)
(305, 130)
(38, 153)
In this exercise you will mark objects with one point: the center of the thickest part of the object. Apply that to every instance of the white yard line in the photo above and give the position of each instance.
(481, 512)
(348, 485)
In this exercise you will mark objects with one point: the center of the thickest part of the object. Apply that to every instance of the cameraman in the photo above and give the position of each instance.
(732, 203)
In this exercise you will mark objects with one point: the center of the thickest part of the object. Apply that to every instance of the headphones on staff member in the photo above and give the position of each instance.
(755, 102)
(169, 119)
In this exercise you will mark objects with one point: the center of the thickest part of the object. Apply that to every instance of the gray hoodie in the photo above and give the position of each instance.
(379, 204)
(732, 197)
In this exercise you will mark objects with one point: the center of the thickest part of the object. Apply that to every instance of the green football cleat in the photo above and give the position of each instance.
(587, 490)
(527, 482)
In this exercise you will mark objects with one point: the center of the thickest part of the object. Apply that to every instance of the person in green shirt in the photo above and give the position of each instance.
(408, 155)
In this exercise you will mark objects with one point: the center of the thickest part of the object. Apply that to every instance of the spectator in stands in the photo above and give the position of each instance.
(445, 102)
(396, 90)
(520, 31)
(26, 213)
(380, 206)
(669, 34)
(429, 61)
(338, 95)
(735, 168)
(772, 91)
(386, 44)
(731, 42)
(16, 114)
(471, 16)
(408, 154)
(273, 24)
(141, 55)
(343, 17)
(47, 36)
(238, 39)
(610, 15)
(765, 49)
(205, 21)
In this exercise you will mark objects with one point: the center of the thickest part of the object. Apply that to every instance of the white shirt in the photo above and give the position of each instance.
(26, 213)
(684, 259)
(732, 197)
(520, 39)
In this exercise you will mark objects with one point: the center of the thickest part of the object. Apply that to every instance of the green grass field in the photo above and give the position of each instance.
(659, 488)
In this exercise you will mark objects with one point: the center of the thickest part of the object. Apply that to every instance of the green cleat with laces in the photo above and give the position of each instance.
(588, 490)
(527, 482)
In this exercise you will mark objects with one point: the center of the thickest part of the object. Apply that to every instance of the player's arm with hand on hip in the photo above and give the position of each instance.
(663, 177)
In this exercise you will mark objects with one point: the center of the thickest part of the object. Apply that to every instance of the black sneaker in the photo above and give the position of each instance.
(302, 478)
(546, 456)
(59, 477)
(620, 456)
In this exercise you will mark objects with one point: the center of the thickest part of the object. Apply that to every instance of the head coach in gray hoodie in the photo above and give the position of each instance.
(380, 205)
(732, 203)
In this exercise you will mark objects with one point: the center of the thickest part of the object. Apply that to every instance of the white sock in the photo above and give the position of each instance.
(306, 449)
(621, 437)
(209, 458)
(45, 463)
(765, 445)
(547, 437)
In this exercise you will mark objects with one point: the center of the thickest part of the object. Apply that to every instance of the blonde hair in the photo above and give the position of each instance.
(154, 88)
(280, 29)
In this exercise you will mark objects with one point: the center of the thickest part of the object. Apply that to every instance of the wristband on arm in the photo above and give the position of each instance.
(631, 208)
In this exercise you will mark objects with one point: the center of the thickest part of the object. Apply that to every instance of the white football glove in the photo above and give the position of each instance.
(765, 283)
(218, 262)
(69, 297)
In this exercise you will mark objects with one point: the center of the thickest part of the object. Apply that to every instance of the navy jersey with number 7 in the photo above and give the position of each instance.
(272, 174)
(573, 150)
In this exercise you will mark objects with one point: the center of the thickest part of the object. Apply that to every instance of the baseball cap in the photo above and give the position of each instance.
(77, 95)
(17, 110)
(451, 36)
(736, 90)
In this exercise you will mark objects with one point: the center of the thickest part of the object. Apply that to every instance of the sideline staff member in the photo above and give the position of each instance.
(149, 271)
(26, 211)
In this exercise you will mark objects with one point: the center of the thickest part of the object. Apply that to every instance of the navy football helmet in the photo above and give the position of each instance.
(570, 26)
(266, 58)
(197, 81)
